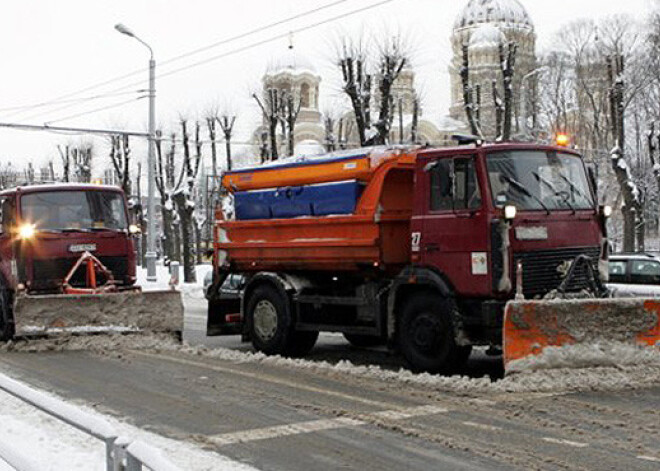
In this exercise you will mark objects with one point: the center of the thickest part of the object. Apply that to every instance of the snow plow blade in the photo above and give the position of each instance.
(534, 329)
(151, 311)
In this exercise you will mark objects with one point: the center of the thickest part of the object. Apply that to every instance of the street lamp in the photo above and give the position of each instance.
(151, 163)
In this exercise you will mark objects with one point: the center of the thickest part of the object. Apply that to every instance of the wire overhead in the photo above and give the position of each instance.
(19, 110)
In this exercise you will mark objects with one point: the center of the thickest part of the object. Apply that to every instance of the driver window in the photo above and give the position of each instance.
(454, 185)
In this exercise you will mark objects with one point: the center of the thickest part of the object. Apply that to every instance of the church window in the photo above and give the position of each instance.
(305, 95)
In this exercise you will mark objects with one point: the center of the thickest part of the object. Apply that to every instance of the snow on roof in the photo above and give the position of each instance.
(447, 123)
(291, 62)
(508, 12)
(486, 36)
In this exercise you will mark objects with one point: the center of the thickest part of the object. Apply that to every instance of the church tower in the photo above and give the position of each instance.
(483, 25)
(293, 73)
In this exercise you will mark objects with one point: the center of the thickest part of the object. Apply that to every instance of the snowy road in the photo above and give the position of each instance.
(287, 415)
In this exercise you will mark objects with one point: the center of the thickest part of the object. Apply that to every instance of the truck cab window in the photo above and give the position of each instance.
(6, 214)
(454, 185)
(467, 193)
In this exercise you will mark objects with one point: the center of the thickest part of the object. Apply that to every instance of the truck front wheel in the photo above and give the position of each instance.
(271, 325)
(426, 335)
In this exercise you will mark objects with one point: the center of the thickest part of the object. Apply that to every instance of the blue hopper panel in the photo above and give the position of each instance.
(291, 202)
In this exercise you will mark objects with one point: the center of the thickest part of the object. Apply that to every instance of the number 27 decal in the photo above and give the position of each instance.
(416, 241)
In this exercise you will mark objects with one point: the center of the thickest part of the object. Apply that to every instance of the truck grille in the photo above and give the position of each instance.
(51, 273)
(540, 270)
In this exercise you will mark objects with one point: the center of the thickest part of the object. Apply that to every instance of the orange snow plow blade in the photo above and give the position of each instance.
(531, 327)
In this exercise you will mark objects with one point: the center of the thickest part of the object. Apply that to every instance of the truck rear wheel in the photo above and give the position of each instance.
(6, 315)
(426, 335)
(271, 325)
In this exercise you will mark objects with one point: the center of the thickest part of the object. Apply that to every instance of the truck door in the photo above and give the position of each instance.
(455, 229)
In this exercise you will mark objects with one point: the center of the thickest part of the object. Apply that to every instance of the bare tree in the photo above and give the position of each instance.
(392, 58)
(507, 64)
(65, 154)
(227, 122)
(183, 197)
(271, 107)
(329, 123)
(120, 155)
(468, 96)
(357, 85)
(81, 157)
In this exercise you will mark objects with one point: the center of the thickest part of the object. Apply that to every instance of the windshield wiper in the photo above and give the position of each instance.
(554, 190)
(573, 186)
(521, 188)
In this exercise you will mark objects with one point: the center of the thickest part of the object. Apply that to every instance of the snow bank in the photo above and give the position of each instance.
(602, 367)
(634, 370)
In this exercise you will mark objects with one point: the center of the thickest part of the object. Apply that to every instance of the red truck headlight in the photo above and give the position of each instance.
(26, 231)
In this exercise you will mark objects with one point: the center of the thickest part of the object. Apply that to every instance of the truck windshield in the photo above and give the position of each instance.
(539, 180)
(75, 210)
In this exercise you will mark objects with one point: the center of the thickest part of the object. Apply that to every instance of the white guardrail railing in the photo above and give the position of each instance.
(122, 454)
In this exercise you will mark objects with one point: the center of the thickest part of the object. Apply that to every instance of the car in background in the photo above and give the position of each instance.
(230, 289)
(634, 275)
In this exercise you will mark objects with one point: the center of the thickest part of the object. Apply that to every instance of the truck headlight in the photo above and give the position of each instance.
(607, 211)
(510, 212)
(134, 229)
(26, 231)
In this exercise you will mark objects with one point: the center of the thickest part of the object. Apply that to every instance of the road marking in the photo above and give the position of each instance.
(269, 379)
(282, 431)
(649, 458)
(560, 441)
(491, 428)
(408, 413)
(299, 428)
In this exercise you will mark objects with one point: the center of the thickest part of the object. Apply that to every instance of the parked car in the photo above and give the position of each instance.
(230, 289)
(635, 275)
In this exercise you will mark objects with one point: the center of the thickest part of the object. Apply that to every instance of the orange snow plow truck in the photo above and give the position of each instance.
(430, 251)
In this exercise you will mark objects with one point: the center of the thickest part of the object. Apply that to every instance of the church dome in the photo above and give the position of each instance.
(291, 62)
(486, 36)
(508, 13)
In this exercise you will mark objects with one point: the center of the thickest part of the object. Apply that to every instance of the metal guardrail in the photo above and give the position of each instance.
(122, 454)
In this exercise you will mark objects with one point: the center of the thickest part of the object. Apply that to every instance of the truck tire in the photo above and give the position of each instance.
(364, 341)
(271, 325)
(426, 335)
(6, 315)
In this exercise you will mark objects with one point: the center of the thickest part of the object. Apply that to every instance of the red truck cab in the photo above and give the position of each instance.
(46, 228)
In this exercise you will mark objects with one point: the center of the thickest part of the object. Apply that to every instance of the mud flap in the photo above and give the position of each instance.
(154, 311)
(530, 327)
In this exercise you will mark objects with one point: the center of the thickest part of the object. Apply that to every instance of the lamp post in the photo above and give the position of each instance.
(151, 160)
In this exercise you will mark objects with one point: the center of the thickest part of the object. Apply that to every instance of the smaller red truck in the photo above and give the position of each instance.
(67, 259)
(421, 249)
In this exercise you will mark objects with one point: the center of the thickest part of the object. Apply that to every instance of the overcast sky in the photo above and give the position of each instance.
(50, 49)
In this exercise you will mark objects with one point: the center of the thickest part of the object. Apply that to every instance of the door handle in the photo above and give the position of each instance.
(429, 248)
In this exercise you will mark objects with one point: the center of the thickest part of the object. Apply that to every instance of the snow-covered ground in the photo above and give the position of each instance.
(54, 445)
